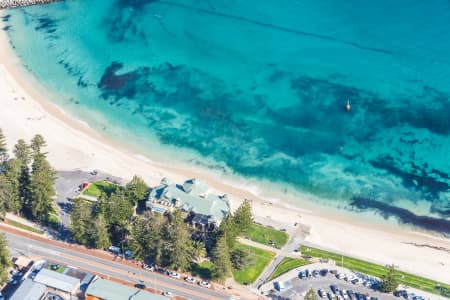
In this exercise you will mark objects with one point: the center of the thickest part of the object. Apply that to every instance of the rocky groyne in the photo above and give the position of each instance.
(17, 3)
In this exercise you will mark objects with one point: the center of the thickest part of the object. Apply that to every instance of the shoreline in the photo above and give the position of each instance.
(27, 112)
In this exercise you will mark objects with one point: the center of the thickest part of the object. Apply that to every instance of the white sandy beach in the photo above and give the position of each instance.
(24, 112)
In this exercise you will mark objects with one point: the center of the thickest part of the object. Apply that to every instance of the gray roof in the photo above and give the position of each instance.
(193, 197)
(29, 290)
(57, 280)
(109, 290)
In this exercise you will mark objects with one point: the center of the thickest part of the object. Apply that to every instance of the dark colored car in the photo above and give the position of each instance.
(302, 274)
(140, 286)
(334, 288)
(351, 294)
(324, 272)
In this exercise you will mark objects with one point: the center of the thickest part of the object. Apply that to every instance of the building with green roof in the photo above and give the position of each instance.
(206, 209)
(102, 289)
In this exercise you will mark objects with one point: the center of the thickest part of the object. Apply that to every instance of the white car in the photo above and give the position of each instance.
(147, 267)
(340, 276)
(350, 277)
(190, 279)
(168, 294)
(205, 284)
(175, 275)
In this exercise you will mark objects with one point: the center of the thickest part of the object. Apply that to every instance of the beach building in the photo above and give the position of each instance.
(205, 210)
(30, 290)
(101, 289)
(63, 285)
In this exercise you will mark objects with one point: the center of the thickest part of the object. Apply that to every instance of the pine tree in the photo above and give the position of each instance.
(389, 281)
(5, 194)
(139, 238)
(80, 221)
(12, 173)
(157, 226)
(99, 237)
(179, 243)
(5, 261)
(37, 143)
(221, 258)
(136, 190)
(243, 216)
(3, 148)
(229, 229)
(22, 152)
(311, 295)
(41, 189)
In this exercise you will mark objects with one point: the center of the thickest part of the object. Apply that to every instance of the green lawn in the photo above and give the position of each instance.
(203, 270)
(286, 265)
(97, 187)
(23, 226)
(251, 272)
(375, 270)
(264, 235)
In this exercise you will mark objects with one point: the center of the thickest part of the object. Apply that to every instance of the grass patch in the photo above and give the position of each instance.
(264, 235)
(286, 265)
(376, 270)
(203, 270)
(96, 188)
(23, 226)
(251, 272)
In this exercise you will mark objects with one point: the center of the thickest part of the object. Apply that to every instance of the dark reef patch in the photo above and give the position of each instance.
(403, 215)
(418, 178)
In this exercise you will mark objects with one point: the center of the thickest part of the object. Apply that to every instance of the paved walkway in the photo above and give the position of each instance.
(295, 235)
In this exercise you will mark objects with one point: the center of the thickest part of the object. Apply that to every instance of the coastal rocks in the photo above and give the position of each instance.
(16, 3)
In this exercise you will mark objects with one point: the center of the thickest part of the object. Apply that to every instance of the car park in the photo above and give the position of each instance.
(205, 284)
(175, 275)
(190, 279)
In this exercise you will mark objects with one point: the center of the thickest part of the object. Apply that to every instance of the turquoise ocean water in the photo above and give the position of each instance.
(258, 89)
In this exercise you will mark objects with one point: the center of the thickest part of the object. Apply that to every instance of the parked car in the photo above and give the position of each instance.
(140, 285)
(321, 293)
(175, 275)
(115, 250)
(324, 272)
(205, 284)
(351, 294)
(302, 274)
(350, 277)
(315, 273)
(190, 279)
(168, 294)
(340, 276)
(357, 281)
(148, 268)
(334, 289)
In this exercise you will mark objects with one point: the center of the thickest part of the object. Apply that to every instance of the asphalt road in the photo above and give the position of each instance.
(29, 247)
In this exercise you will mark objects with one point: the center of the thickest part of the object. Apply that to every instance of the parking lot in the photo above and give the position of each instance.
(329, 283)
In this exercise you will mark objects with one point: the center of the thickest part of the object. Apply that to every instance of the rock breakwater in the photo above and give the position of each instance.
(17, 3)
